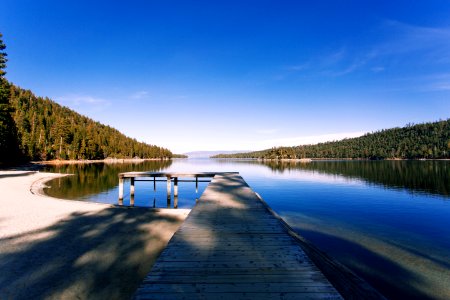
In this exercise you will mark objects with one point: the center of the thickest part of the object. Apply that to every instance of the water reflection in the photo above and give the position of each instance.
(431, 177)
(92, 179)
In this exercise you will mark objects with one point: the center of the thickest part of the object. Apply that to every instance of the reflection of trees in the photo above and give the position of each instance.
(423, 176)
(90, 179)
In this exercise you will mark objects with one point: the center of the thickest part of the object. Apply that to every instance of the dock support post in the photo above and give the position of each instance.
(175, 192)
(196, 189)
(132, 191)
(169, 187)
(175, 187)
(154, 184)
(132, 186)
(120, 190)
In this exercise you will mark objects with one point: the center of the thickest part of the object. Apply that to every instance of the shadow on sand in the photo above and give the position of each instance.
(86, 256)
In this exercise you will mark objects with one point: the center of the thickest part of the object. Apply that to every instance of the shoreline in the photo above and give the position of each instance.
(106, 161)
(57, 248)
(307, 160)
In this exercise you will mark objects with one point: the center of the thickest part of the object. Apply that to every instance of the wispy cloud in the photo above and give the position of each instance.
(377, 69)
(296, 68)
(139, 95)
(84, 103)
(266, 131)
(405, 38)
(401, 45)
(436, 82)
(289, 70)
(347, 68)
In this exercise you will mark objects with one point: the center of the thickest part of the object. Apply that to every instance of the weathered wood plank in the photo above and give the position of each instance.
(234, 296)
(233, 278)
(239, 287)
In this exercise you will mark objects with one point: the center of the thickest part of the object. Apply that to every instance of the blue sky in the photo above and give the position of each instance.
(235, 75)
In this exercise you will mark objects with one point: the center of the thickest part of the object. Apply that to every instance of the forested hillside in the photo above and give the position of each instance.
(428, 140)
(48, 130)
(35, 128)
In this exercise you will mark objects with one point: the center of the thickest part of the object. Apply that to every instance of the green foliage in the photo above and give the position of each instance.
(422, 141)
(48, 131)
(39, 129)
(9, 145)
(3, 59)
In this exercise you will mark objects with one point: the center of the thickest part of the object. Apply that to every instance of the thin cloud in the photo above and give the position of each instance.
(335, 57)
(354, 66)
(401, 41)
(84, 103)
(296, 68)
(377, 69)
(288, 71)
(139, 95)
(266, 131)
(425, 83)
(410, 38)
(441, 87)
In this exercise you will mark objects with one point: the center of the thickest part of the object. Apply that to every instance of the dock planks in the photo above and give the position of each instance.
(232, 247)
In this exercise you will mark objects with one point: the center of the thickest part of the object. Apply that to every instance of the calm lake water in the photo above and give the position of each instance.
(388, 221)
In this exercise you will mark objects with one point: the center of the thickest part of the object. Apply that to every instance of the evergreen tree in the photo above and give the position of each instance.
(421, 141)
(36, 128)
(9, 149)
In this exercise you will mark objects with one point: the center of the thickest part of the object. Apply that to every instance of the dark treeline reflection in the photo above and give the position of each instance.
(417, 176)
(91, 179)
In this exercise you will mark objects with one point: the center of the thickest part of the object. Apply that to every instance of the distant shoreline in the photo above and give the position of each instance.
(333, 159)
(107, 161)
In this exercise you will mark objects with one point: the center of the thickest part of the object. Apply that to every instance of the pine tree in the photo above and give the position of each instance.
(9, 145)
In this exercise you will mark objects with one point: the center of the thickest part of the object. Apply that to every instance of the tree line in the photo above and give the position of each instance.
(37, 128)
(420, 141)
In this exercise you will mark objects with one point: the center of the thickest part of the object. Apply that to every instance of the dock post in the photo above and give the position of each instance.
(175, 192)
(120, 190)
(154, 183)
(132, 191)
(132, 186)
(196, 189)
(169, 187)
(175, 187)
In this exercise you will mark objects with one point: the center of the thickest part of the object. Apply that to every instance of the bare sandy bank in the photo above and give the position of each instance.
(60, 249)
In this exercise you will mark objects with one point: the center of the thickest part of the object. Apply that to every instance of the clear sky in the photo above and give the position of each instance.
(235, 75)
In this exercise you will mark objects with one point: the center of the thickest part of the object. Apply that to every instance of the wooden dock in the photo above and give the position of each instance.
(232, 247)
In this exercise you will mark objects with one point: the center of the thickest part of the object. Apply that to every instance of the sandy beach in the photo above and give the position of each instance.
(61, 249)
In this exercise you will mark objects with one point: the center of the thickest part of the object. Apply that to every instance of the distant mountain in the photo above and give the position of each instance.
(207, 154)
(421, 141)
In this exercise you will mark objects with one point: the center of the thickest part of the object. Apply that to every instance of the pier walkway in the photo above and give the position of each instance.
(232, 247)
